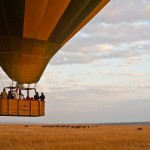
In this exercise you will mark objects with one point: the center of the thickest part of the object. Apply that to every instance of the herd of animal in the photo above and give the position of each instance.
(69, 126)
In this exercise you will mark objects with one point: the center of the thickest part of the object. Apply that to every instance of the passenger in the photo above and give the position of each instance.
(42, 97)
(36, 96)
(4, 94)
(28, 97)
(10, 96)
(22, 96)
(15, 94)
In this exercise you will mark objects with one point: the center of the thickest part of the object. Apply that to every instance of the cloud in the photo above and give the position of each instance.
(136, 74)
(94, 94)
(130, 55)
(120, 30)
(125, 11)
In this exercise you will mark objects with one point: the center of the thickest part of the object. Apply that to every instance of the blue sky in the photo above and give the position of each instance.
(102, 74)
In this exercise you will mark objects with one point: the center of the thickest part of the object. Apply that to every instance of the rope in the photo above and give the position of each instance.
(35, 87)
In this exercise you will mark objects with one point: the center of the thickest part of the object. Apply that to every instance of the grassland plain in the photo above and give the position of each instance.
(71, 137)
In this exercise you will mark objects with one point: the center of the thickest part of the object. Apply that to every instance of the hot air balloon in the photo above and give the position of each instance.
(32, 31)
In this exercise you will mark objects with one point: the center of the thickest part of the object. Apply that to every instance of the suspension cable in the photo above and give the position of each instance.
(35, 87)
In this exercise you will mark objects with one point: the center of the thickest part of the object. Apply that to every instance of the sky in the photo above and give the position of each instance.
(102, 74)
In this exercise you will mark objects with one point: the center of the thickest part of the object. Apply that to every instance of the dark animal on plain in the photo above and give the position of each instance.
(139, 128)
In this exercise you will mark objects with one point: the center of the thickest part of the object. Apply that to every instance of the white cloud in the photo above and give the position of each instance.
(136, 74)
(125, 11)
(116, 32)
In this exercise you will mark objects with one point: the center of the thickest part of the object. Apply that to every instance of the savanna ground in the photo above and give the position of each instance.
(46, 137)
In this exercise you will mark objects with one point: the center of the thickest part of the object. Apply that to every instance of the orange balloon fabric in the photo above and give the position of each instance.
(32, 31)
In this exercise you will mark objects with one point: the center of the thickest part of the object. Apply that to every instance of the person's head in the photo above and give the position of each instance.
(41, 93)
(4, 89)
(37, 93)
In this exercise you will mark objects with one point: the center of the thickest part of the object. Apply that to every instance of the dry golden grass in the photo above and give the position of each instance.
(36, 137)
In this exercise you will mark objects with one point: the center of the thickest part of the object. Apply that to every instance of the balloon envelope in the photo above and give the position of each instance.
(32, 31)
